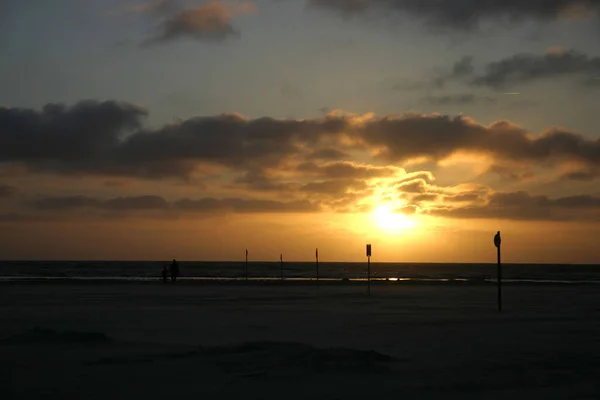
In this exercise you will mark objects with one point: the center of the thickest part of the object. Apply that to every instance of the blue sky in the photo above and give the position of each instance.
(290, 60)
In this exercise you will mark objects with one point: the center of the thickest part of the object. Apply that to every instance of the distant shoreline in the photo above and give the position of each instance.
(270, 281)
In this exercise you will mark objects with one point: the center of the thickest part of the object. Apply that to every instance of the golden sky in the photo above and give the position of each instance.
(196, 129)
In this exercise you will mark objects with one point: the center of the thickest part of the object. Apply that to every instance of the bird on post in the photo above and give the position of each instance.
(497, 239)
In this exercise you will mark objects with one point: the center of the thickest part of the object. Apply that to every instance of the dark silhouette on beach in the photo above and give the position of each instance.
(165, 274)
(174, 270)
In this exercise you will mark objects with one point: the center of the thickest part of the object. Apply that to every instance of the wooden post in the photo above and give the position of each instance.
(317, 258)
(497, 243)
(246, 267)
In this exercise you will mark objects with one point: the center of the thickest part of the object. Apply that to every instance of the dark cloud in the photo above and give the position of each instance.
(436, 137)
(107, 138)
(522, 206)
(510, 174)
(136, 203)
(117, 204)
(584, 176)
(467, 14)
(14, 217)
(502, 74)
(157, 203)
(81, 138)
(334, 187)
(67, 203)
(346, 169)
(209, 21)
(245, 206)
(458, 99)
(525, 68)
(327, 154)
(7, 191)
(259, 181)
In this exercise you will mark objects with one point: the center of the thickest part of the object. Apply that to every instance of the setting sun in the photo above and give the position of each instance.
(391, 221)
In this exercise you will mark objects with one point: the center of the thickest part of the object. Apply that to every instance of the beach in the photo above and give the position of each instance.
(272, 341)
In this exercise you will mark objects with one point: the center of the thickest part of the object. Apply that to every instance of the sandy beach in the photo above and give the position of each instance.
(148, 340)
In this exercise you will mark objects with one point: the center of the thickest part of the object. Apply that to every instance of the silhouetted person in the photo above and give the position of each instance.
(174, 270)
(165, 274)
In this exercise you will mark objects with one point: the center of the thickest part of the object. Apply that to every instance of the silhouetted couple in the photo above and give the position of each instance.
(174, 271)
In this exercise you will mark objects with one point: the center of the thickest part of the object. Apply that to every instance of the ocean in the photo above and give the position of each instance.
(299, 271)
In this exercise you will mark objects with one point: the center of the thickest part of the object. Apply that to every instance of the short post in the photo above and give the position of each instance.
(369, 268)
(281, 265)
(497, 243)
(246, 265)
(317, 259)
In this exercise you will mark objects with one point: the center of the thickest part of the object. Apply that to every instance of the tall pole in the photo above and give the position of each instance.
(246, 268)
(497, 243)
(499, 281)
(369, 268)
(369, 273)
(317, 259)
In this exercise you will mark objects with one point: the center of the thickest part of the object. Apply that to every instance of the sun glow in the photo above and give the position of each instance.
(389, 221)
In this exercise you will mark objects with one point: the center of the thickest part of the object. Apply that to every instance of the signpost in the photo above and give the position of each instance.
(497, 243)
(317, 259)
(369, 268)
(246, 268)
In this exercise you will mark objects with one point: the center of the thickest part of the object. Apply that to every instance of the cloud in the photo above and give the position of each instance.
(108, 139)
(246, 205)
(458, 99)
(158, 203)
(209, 21)
(436, 137)
(327, 154)
(334, 187)
(15, 217)
(7, 191)
(523, 206)
(525, 68)
(463, 197)
(425, 197)
(347, 169)
(414, 186)
(522, 68)
(466, 14)
(260, 181)
(510, 174)
(584, 176)
(67, 203)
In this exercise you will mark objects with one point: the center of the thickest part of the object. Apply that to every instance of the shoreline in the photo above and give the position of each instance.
(292, 281)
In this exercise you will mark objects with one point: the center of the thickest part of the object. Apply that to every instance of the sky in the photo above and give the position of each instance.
(195, 129)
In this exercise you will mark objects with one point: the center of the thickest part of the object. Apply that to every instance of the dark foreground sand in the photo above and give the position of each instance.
(149, 341)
